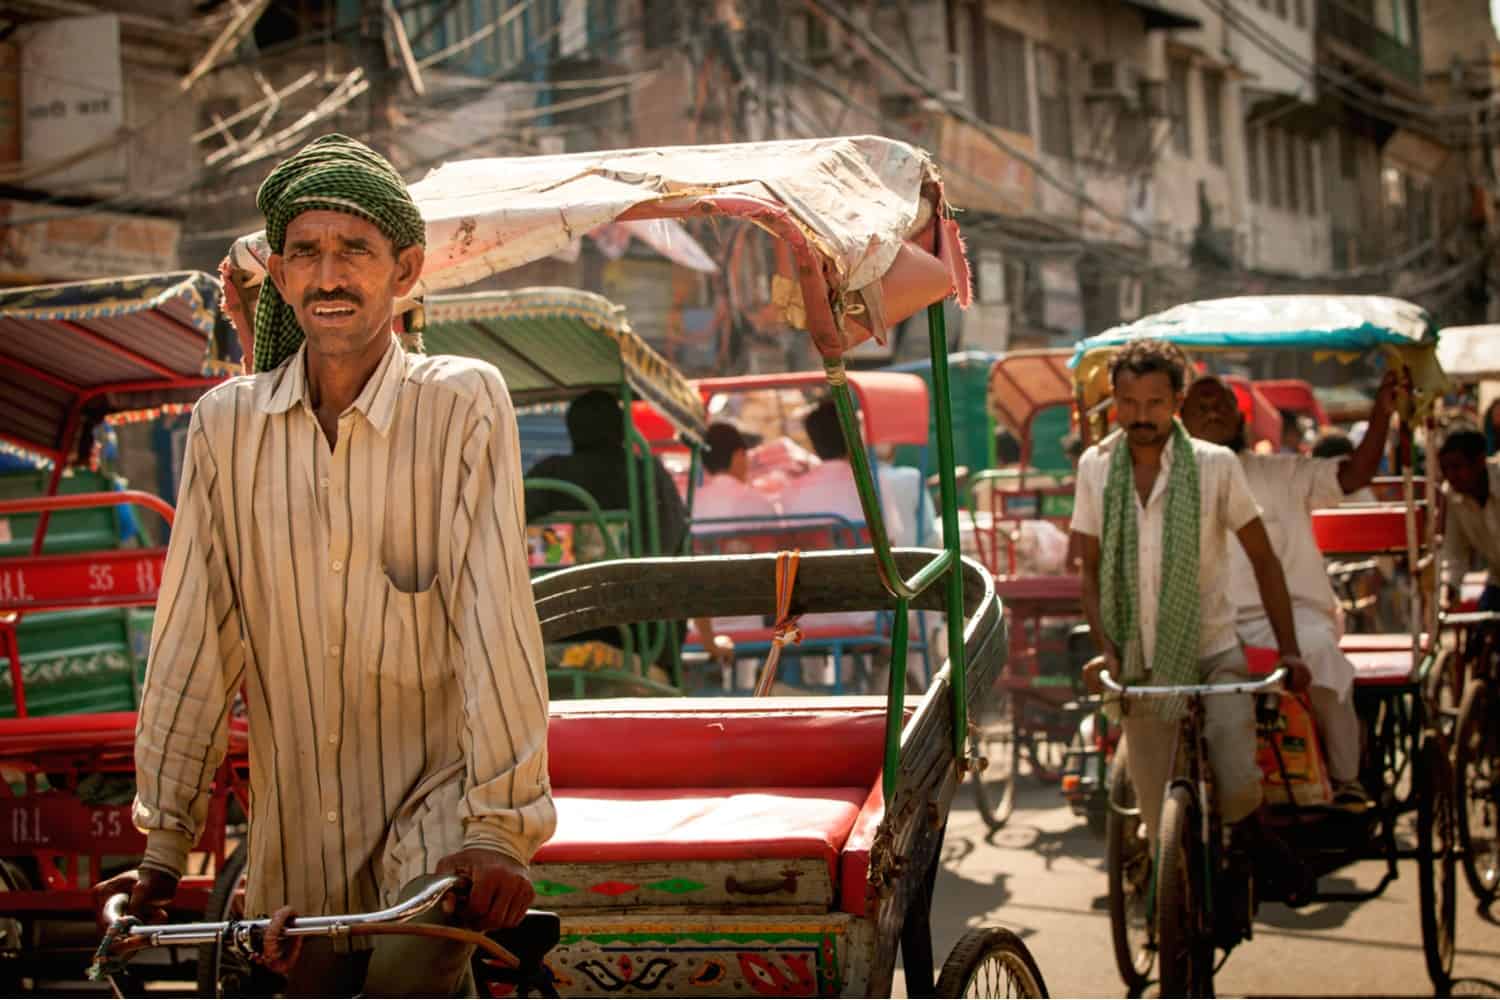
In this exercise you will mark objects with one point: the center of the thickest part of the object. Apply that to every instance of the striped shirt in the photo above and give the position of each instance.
(373, 600)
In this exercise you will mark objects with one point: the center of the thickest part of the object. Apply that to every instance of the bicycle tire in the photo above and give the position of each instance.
(1437, 876)
(995, 786)
(1476, 764)
(1185, 948)
(1128, 865)
(987, 957)
(221, 906)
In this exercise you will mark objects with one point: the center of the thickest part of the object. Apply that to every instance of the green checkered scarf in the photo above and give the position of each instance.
(1175, 658)
(336, 174)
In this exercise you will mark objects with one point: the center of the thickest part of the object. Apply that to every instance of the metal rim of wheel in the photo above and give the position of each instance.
(990, 962)
(1185, 958)
(215, 968)
(995, 736)
(1477, 809)
(1437, 861)
(1128, 863)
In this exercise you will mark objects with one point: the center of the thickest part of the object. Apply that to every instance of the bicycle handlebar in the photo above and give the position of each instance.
(156, 935)
(1271, 683)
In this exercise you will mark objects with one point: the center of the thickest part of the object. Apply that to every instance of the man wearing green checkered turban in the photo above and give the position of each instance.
(336, 176)
(1155, 512)
(350, 553)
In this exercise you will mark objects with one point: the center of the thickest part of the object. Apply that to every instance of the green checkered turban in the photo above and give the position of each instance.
(336, 174)
(1174, 660)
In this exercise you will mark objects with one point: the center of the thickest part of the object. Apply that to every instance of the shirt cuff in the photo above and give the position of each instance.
(491, 835)
(167, 850)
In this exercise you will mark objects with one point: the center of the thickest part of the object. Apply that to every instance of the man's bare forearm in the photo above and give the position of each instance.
(1277, 601)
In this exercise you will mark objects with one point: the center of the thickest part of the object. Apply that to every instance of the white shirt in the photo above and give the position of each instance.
(1225, 506)
(1288, 488)
(723, 496)
(1470, 530)
(828, 488)
(904, 483)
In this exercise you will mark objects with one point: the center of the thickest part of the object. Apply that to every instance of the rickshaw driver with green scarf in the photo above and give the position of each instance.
(1154, 512)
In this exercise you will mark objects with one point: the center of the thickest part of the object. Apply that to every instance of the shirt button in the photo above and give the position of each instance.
(337, 566)
(334, 650)
(333, 737)
(333, 817)
(323, 482)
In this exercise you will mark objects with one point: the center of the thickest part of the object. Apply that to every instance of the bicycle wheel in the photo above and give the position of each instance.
(1436, 860)
(221, 974)
(1443, 691)
(1477, 791)
(995, 738)
(1185, 945)
(1128, 863)
(990, 962)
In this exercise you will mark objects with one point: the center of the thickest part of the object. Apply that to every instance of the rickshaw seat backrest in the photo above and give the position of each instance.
(728, 743)
(1366, 529)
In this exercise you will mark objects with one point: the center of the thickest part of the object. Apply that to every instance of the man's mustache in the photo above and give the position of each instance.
(337, 295)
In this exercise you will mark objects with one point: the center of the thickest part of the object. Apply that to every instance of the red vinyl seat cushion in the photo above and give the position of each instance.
(1379, 668)
(598, 825)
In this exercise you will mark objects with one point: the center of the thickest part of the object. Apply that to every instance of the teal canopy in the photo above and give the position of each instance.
(1352, 323)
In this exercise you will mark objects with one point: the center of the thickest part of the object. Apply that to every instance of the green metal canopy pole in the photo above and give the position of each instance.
(864, 483)
(942, 405)
(895, 706)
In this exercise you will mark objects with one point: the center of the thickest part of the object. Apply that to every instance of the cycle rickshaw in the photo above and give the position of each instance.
(753, 845)
(1168, 911)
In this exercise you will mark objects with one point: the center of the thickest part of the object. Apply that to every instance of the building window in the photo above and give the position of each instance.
(1299, 12)
(1273, 167)
(1053, 94)
(1252, 161)
(1281, 9)
(1213, 115)
(1000, 87)
(1177, 107)
(1293, 168)
(1348, 156)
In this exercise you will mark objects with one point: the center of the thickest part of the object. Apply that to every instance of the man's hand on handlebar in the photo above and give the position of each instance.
(1091, 670)
(500, 890)
(1298, 677)
(151, 893)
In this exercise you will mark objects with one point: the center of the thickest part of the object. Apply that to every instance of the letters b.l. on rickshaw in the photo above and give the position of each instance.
(751, 846)
(71, 595)
(1170, 910)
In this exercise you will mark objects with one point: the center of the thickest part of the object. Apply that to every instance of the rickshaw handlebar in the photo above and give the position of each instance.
(156, 935)
(1273, 682)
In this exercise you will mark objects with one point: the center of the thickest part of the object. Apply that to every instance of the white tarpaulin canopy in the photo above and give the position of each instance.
(1470, 352)
(848, 204)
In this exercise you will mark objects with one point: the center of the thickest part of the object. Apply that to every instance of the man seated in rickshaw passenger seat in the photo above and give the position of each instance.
(829, 488)
(1288, 487)
(1155, 511)
(596, 431)
(349, 549)
(1472, 527)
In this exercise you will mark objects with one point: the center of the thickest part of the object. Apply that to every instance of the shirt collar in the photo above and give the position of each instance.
(287, 386)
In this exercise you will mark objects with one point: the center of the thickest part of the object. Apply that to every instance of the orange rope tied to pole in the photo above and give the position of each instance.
(786, 629)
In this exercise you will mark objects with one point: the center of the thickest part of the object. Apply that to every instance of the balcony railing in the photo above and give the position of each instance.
(1350, 26)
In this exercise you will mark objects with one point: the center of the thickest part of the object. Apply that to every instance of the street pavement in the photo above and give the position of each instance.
(1043, 877)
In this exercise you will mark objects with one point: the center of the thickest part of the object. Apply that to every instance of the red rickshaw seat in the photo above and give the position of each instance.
(637, 825)
(1382, 667)
(1378, 642)
(720, 780)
